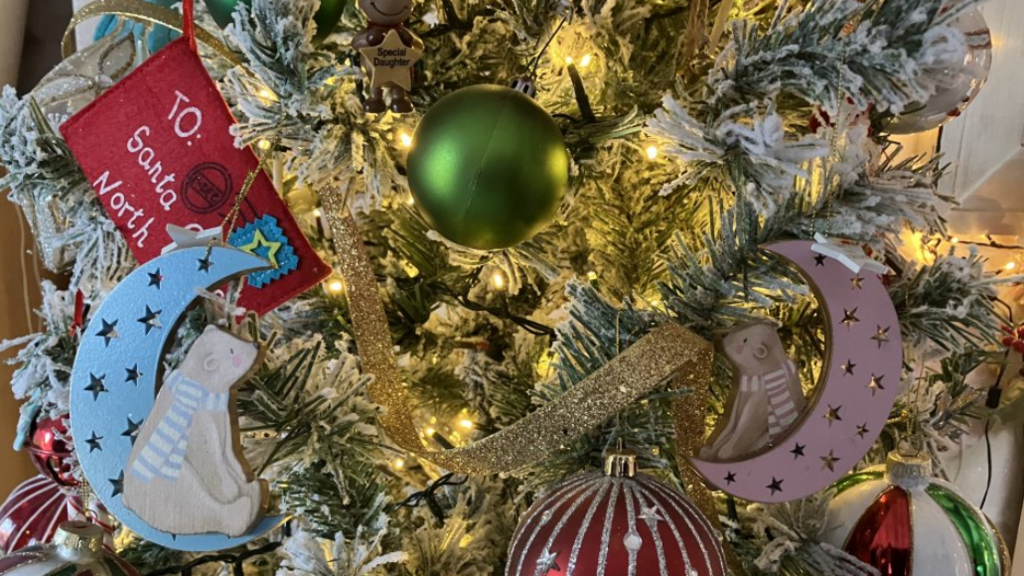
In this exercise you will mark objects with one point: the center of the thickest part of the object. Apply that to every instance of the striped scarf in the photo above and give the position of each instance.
(164, 452)
(782, 409)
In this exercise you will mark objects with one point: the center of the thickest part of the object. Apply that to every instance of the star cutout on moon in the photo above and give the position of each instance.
(262, 247)
(862, 430)
(391, 62)
(118, 484)
(848, 367)
(798, 450)
(131, 430)
(108, 332)
(819, 260)
(881, 336)
(730, 478)
(132, 374)
(850, 317)
(857, 282)
(832, 415)
(94, 442)
(876, 384)
(96, 386)
(775, 486)
(151, 320)
(155, 279)
(829, 461)
(205, 263)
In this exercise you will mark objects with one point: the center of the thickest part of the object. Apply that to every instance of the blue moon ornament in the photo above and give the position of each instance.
(114, 380)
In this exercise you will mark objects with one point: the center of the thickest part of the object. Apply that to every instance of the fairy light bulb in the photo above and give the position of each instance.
(317, 213)
(498, 280)
(954, 240)
(335, 286)
(652, 152)
(405, 138)
(568, 60)
(587, 58)
(1010, 265)
(264, 144)
(591, 275)
(466, 423)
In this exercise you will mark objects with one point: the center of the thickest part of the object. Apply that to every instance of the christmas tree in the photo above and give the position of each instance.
(540, 214)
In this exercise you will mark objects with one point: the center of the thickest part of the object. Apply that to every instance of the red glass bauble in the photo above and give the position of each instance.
(37, 507)
(51, 450)
(881, 537)
(613, 525)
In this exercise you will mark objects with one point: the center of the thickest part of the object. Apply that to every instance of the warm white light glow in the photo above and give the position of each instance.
(498, 280)
(406, 139)
(264, 144)
(430, 432)
(652, 152)
(585, 61)
(466, 423)
(954, 240)
(1010, 265)
(592, 275)
(335, 286)
(410, 200)
(568, 60)
(398, 463)
(317, 213)
(266, 95)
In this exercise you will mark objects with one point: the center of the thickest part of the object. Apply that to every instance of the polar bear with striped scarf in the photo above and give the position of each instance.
(186, 473)
(768, 398)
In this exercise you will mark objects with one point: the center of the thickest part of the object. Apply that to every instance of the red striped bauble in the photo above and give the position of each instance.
(35, 509)
(615, 523)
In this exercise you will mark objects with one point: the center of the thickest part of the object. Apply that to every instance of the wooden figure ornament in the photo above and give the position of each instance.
(186, 473)
(768, 397)
(389, 51)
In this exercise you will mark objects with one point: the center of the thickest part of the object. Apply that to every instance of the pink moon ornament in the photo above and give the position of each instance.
(852, 400)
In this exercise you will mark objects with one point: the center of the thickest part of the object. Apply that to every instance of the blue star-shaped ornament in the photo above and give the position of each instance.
(264, 238)
(96, 386)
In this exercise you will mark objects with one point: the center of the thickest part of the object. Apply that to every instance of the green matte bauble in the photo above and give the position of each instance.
(326, 17)
(488, 167)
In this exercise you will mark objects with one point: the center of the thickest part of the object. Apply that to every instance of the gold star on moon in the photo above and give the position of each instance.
(391, 61)
(260, 241)
(881, 336)
(850, 317)
(876, 384)
(833, 414)
(848, 367)
(857, 282)
(829, 461)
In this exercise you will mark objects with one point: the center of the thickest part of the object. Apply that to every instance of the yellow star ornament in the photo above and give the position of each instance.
(391, 61)
(260, 241)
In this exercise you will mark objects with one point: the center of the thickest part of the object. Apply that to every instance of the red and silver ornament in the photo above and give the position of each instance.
(615, 523)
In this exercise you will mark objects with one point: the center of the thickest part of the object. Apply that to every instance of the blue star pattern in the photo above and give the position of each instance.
(264, 238)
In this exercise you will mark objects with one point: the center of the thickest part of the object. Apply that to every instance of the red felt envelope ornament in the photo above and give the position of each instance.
(158, 150)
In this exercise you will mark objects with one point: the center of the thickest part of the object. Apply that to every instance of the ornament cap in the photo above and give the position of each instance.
(78, 541)
(908, 469)
(620, 462)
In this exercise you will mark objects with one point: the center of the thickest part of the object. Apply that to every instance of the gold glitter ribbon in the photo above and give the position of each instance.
(141, 10)
(670, 351)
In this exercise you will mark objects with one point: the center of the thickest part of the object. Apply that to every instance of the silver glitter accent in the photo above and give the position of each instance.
(591, 487)
(560, 492)
(584, 483)
(631, 513)
(632, 541)
(547, 561)
(609, 516)
(674, 499)
(583, 529)
(650, 514)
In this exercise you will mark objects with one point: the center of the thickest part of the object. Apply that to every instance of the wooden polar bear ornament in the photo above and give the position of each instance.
(186, 473)
(767, 397)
